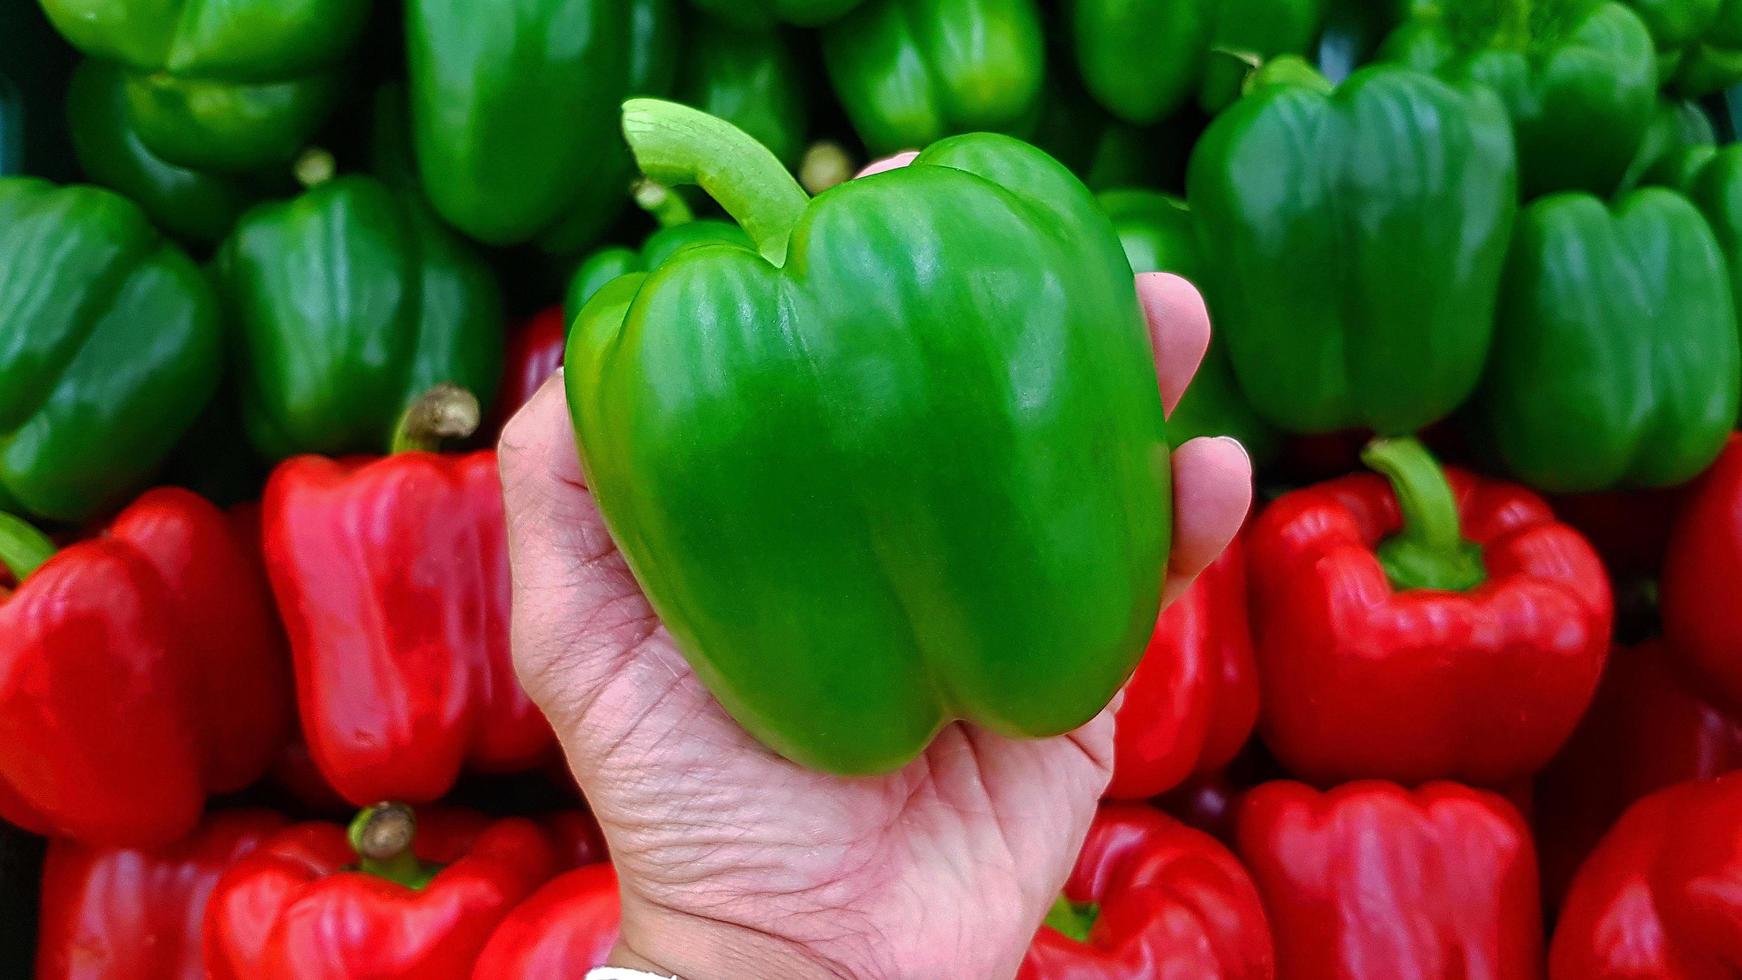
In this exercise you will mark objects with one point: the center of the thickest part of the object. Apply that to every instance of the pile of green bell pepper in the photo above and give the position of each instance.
(1579, 86)
(187, 203)
(110, 345)
(1143, 60)
(909, 72)
(1577, 395)
(514, 110)
(348, 302)
(1363, 296)
(230, 86)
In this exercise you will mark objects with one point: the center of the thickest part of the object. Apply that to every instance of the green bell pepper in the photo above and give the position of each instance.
(910, 72)
(1711, 177)
(1580, 86)
(678, 230)
(748, 77)
(186, 203)
(514, 110)
(901, 463)
(1615, 359)
(110, 345)
(1677, 129)
(1157, 232)
(761, 13)
(1352, 242)
(1699, 42)
(1144, 58)
(232, 86)
(349, 302)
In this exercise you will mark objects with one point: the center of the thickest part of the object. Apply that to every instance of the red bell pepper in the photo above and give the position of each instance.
(565, 929)
(1702, 580)
(377, 901)
(116, 913)
(392, 578)
(1372, 880)
(1194, 698)
(1645, 730)
(1151, 897)
(1661, 896)
(534, 353)
(140, 670)
(1436, 625)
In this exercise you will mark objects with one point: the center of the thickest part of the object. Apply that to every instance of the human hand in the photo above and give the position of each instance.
(735, 862)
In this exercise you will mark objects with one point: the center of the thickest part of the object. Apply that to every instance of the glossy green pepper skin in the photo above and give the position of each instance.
(1144, 59)
(761, 13)
(1363, 297)
(189, 204)
(910, 72)
(607, 264)
(903, 463)
(1158, 235)
(1677, 129)
(110, 345)
(748, 77)
(1699, 42)
(514, 110)
(349, 302)
(1580, 89)
(232, 86)
(1615, 360)
(1711, 177)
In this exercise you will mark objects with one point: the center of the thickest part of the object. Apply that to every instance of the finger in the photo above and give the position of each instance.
(1179, 328)
(1212, 490)
(895, 162)
(572, 589)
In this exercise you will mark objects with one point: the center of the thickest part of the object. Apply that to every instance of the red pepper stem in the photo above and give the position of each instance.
(667, 207)
(23, 548)
(1430, 552)
(1073, 919)
(444, 412)
(382, 835)
(675, 144)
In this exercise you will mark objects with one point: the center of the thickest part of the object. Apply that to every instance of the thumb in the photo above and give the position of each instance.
(577, 609)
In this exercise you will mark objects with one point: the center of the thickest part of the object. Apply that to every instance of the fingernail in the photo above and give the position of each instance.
(1237, 444)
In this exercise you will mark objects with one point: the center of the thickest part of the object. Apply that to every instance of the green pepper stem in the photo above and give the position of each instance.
(1430, 552)
(658, 200)
(675, 144)
(444, 412)
(382, 835)
(825, 165)
(23, 548)
(313, 167)
(1073, 919)
(1285, 69)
